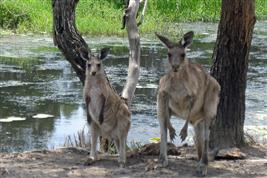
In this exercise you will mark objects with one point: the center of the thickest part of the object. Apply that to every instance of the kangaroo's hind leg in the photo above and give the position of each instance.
(163, 116)
(94, 136)
(122, 132)
(202, 143)
(122, 151)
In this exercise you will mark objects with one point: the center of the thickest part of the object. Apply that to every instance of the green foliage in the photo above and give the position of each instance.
(261, 9)
(26, 63)
(189, 10)
(11, 16)
(98, 17)
(103, 17)
(26, 15)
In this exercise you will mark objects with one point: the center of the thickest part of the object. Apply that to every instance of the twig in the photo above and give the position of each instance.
(143, 13)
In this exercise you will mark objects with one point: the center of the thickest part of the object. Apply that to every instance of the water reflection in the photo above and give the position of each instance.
(34, 78)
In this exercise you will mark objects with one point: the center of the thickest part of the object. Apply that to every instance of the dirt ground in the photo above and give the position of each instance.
(69, 162)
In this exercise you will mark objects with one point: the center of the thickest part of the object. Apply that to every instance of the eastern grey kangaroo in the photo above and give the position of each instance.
(107, 113)
(187, 92)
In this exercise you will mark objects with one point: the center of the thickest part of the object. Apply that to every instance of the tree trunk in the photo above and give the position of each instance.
(66, 37)
(230, 67)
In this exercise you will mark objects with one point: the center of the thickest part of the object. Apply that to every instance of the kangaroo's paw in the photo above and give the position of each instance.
(183, 133)
(172, 133)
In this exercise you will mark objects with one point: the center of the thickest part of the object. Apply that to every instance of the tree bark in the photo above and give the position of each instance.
(66, 37)
(230, 67)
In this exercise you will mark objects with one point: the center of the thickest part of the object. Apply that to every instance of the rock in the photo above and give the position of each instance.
(154, 149)
(77, 150)
(230, 154)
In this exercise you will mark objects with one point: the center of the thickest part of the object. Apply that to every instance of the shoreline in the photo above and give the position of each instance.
(69, 162)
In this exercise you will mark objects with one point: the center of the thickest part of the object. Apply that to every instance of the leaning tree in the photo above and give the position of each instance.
(231, 54)
(74, 47)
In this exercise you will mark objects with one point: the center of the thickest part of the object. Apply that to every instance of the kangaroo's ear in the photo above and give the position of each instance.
(84, 54)
(187, 39)
(165, 41)
(103, 53)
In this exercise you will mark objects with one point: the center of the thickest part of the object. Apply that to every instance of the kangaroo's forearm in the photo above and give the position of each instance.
(101, 114)
(87, 101)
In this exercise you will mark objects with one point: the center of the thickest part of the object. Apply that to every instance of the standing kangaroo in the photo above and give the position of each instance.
(107, 113)
(187, 92)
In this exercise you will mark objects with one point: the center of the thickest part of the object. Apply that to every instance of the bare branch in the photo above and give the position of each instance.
(134, 51)
(143, 12)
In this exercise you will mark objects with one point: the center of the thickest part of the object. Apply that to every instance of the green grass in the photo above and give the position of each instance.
(34, 15)
(103, 17)
(98, 17)
(261, 9)
(25, 63)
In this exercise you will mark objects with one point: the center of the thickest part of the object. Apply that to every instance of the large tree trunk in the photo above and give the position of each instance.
(66, 37)
(230, 67)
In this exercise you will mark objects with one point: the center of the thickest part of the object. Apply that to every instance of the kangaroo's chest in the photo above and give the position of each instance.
(178, 93)
(96, 102)
(95, 94)
(179, 100)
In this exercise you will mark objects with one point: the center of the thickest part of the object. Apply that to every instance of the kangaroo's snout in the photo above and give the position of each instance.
(93, 73)
(175, 68)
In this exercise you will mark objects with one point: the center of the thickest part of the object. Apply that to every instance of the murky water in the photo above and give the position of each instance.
(35, 78)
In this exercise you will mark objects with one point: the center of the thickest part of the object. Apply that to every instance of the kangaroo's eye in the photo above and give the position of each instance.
(88, 65)
(98, 65)
(183, 55)
(169, 55)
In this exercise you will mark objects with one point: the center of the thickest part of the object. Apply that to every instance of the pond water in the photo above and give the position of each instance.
(35, 78)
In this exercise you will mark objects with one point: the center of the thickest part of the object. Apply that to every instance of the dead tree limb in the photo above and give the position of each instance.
(134, 50)
(143, 12)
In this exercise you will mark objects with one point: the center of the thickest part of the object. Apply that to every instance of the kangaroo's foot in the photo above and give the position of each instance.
(163, 161)
(202, 170)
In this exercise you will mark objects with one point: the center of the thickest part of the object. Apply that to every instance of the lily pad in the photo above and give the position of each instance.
(13, 118)
(42, 116)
